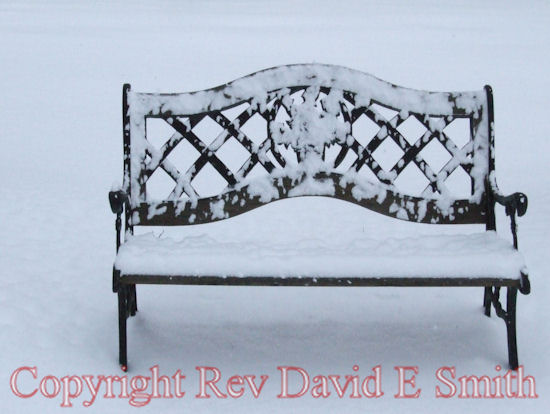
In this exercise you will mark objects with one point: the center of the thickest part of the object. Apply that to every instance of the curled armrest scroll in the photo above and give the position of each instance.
(513, 203)
(117, 199)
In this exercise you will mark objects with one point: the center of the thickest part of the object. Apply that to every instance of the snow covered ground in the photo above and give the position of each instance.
(62, 67)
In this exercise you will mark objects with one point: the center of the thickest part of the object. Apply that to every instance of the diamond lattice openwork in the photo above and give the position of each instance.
(395, 147)
(411, 129)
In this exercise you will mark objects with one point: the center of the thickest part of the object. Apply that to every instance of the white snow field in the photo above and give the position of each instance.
(62, 67)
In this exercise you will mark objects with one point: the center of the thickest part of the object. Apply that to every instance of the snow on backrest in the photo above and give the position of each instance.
(307, 130)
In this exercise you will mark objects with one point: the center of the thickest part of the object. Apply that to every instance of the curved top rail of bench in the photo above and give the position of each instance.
(330, 76)
(346, 95)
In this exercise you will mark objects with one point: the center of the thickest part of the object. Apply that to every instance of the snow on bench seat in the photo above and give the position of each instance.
(479, 255)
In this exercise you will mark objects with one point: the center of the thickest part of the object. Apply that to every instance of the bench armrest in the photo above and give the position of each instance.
(515, 203)
(117, 200)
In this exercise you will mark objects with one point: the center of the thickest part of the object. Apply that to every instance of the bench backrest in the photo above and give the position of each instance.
(312, 115)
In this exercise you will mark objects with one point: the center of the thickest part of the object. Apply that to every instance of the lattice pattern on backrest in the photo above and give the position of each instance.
(311, 121)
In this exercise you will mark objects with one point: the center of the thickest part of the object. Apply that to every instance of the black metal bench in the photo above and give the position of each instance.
(322, 106)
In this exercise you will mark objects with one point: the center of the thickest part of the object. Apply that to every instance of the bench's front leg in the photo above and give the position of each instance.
(122, 316)
(509, 317)
(510, 320)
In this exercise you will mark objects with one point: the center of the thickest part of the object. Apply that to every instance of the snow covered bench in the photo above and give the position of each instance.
(315, 141)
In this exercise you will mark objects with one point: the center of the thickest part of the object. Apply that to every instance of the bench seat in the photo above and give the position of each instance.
(469, 256)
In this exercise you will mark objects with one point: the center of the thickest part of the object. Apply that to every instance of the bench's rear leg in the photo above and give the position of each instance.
(122, 316)
(487, 300)
(510, 320)
(132, 305)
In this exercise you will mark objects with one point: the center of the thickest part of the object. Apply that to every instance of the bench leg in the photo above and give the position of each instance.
(510, 320)
(509, 317)
(487, 301)
(132, 305)
(122, 316)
